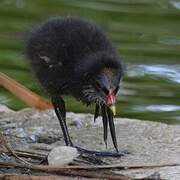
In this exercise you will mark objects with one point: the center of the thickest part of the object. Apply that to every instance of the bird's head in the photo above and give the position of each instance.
(107, 86)
(103, 74)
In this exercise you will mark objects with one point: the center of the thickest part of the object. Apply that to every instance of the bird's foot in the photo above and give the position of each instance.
(92, 157)
(103, 153)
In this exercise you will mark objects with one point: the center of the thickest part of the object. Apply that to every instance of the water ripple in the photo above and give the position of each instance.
(176, 4)
(169, 40)
(157, 108)
(166, 72)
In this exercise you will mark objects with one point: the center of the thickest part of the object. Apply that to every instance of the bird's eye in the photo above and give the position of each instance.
(116, 90)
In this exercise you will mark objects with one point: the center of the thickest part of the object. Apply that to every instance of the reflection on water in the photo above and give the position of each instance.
(169, 40)
(165, 72)
(156, 108)
(176, 4)
(152, 90)
(146, 34)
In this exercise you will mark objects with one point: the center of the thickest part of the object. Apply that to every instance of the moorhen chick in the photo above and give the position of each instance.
(70, 56)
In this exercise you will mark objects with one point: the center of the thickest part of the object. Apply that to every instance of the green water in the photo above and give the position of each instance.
(146, 33)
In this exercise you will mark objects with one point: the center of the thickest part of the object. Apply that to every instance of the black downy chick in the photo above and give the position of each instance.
(70, 56)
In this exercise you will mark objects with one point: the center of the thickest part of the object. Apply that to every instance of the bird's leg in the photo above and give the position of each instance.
(112, 128)
(60, 110)
(105, 122)
(107, 116)
(96, 114)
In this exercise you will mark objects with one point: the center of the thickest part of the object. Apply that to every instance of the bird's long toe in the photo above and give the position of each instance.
(118, 153)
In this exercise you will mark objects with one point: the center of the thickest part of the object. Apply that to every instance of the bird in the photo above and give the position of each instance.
(75, 57)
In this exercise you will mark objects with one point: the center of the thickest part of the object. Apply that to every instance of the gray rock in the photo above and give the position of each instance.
(62, 155)
(4, 109)
(150, 142)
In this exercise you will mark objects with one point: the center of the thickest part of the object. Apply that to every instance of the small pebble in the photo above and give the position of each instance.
(76, 123)
(62, 155)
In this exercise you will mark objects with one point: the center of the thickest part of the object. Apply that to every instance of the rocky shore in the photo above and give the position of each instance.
(149, 142)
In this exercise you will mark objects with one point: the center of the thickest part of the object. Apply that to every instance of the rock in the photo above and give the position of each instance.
(62, 155)
(150, 142)
(76, 123)
(4, 109)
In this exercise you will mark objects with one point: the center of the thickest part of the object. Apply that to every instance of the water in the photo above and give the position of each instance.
(146, 33)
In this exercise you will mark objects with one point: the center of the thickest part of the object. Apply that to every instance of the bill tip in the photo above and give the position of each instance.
(113, 109)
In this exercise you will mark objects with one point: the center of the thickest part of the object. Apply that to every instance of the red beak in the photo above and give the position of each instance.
(110, 100)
